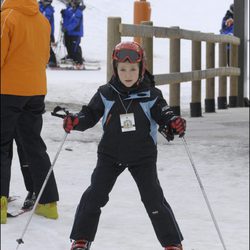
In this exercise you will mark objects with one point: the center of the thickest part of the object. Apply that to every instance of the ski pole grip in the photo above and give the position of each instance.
(58, 109)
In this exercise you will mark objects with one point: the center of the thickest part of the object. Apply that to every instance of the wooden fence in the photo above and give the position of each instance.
(117, 30)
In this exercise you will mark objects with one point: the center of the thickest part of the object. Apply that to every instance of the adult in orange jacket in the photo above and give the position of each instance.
(25, 49)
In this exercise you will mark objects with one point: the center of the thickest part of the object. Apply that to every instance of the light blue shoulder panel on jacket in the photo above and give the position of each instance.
(146, 106)
(108, 105)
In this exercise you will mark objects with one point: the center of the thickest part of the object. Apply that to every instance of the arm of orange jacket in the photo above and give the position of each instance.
(5, 36)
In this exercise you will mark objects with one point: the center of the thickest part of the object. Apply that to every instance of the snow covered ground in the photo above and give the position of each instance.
(219, 146)
(219, 143)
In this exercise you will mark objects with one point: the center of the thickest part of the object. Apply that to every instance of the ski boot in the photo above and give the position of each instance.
(80, 245)
(48, 210)
(29, 201)
(174, 247)
(4, 204)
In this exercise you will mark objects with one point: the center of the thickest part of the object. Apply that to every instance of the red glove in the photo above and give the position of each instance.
(179, 125)
(69, 122)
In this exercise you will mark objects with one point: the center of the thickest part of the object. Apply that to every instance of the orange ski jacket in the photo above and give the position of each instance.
(25, 48)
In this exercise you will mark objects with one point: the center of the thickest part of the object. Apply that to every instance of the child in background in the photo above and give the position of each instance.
(47, 10)
(73, 31)
(131, 107)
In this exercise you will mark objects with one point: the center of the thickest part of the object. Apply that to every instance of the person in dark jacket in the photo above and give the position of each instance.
(72, 27)
(131, 109)
(47, 10)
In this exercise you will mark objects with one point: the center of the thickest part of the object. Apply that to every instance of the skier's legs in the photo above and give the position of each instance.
(24, 164)
(30, 126)
(27, 178)
(10, 111)
(76, 50)
(52, 58)
(159, 211)
(96, 196)
(67, 43)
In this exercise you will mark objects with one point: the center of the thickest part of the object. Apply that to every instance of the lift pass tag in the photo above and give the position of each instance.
(127, 122)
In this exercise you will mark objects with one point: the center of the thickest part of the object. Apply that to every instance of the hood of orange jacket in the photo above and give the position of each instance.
(27, 7)
(25, 48)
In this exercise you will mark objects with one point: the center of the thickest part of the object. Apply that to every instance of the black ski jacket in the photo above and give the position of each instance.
(148, 107)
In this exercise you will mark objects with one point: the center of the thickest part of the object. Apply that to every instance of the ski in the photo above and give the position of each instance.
(68, 64)
(27, 206)
(87, 62)
(71, 67)
(14, 214)
(92, 63)
(13, 198)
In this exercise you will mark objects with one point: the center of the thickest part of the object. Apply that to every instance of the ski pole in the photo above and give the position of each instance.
(54, 113)
(20, 240)
(203, 192)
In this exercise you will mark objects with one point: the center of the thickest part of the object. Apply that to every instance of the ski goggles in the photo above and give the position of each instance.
(127, 54)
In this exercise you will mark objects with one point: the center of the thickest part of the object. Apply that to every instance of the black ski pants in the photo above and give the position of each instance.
(97, 195)
(24, 163)
(74, 50)
(52, 58)
(25, 114)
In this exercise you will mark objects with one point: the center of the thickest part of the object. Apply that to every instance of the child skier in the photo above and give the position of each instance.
(130, 107)
(73, 31)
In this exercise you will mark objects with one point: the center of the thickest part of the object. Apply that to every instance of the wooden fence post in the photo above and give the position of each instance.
(222, 97)
(210, 93)
(195, 105)
(113, 38)
(147, 44)
(174, 66)
(233, 97)
(116, 30)
(241, 30)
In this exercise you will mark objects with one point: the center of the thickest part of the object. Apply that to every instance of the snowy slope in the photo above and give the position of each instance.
(220, 151)
(219, 144)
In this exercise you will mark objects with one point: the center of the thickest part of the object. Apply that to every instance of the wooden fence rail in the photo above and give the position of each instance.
(117, 30)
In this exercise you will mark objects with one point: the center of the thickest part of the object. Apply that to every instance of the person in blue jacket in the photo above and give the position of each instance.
(227, 27)
(47, 10)
(73, 31)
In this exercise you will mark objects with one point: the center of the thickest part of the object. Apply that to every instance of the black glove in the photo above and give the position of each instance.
(177, 125)
(167, 132)
(70, 121)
